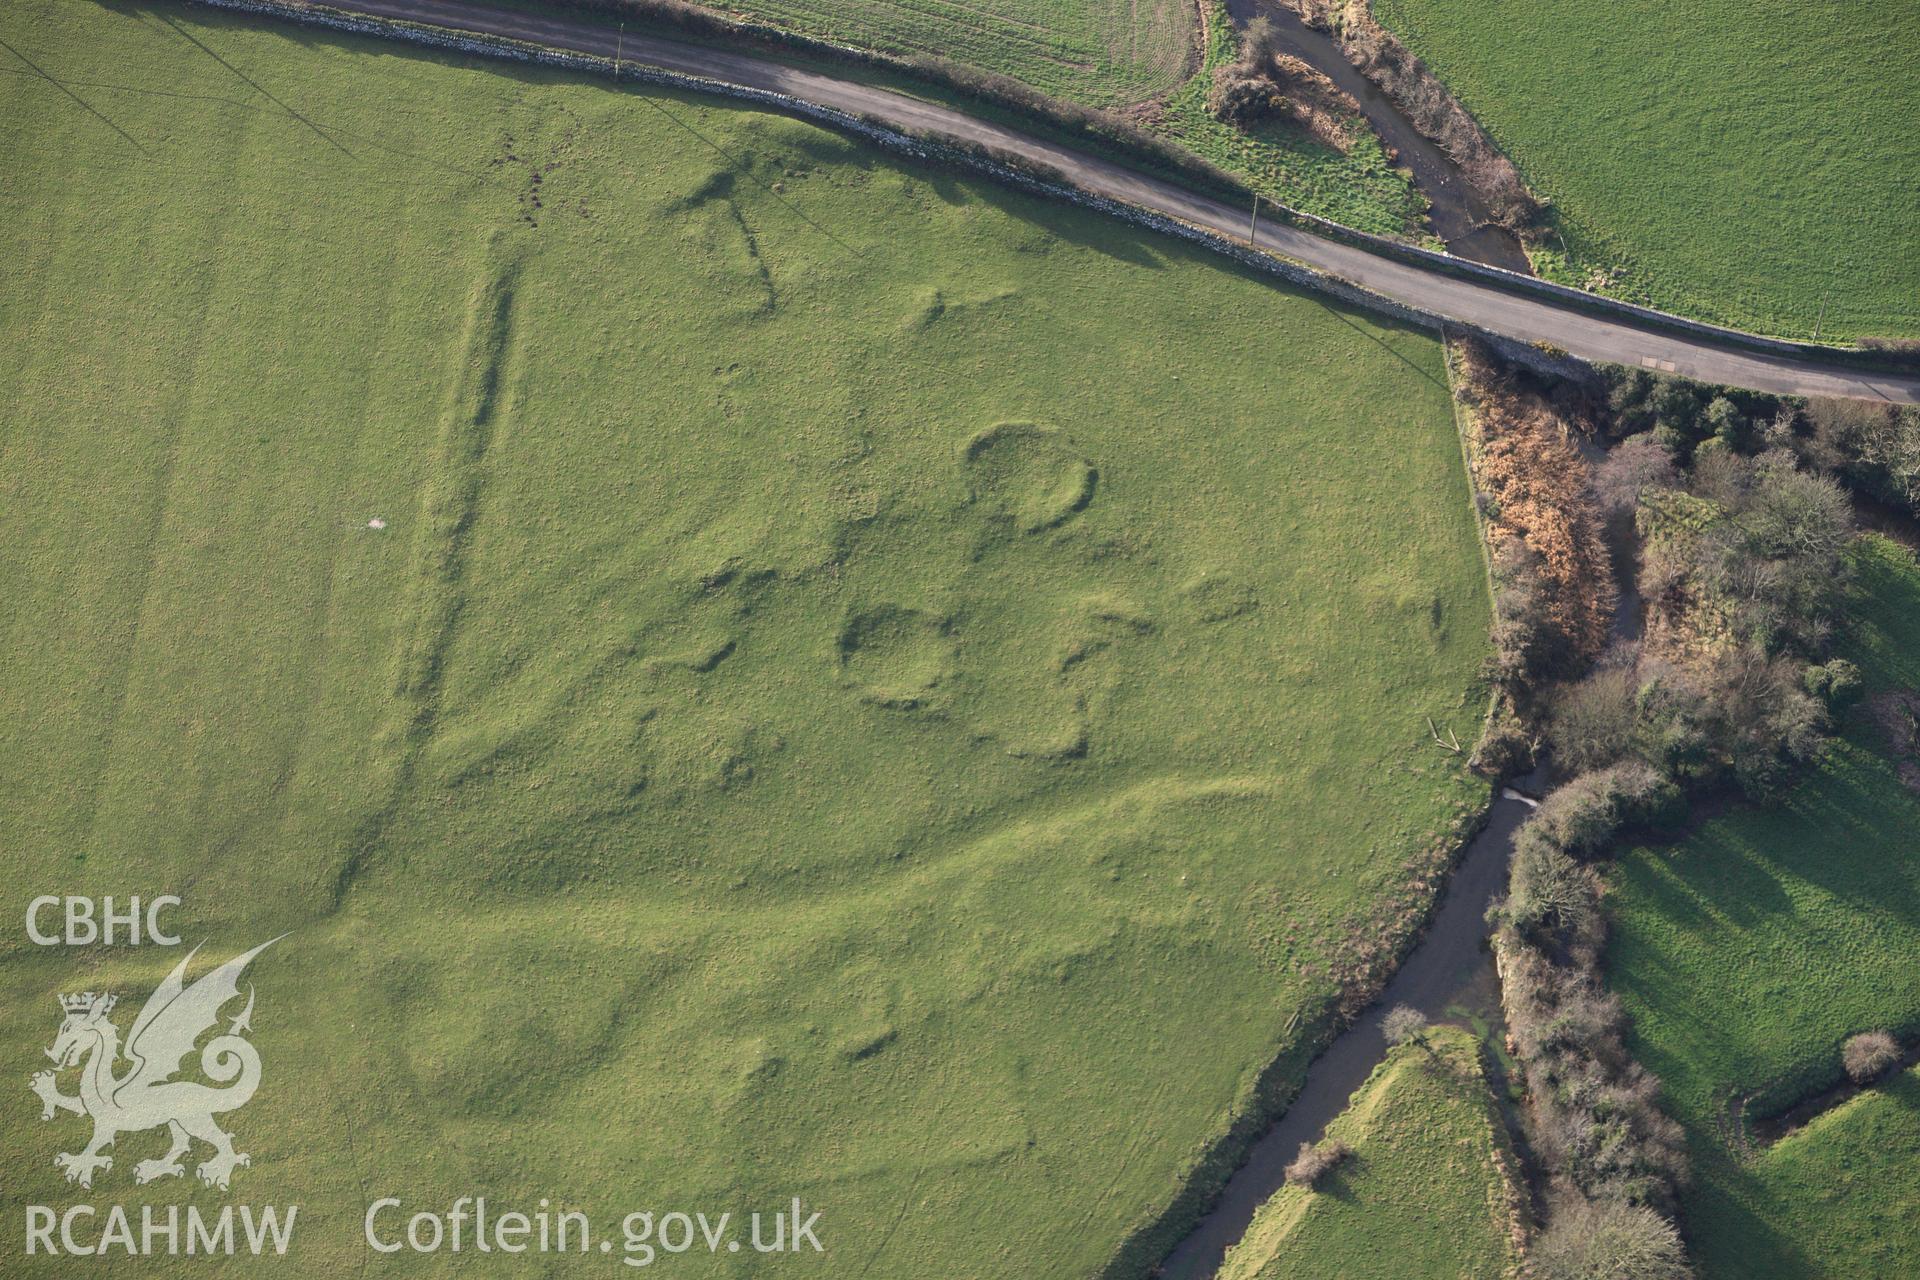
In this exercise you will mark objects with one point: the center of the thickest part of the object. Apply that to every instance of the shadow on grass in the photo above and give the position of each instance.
(1335, 1185)
(1730, 1225)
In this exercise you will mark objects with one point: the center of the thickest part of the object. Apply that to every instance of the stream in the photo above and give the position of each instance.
(1457, 214)
(1449, 977)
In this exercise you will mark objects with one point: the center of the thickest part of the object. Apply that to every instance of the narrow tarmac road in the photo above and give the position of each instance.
(1472, 302)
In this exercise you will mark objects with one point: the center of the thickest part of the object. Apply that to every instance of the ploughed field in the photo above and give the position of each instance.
(1749, 953)
(1748, 162)
(743, 670)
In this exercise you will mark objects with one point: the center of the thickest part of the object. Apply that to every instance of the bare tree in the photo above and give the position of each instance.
(1315, 1162)
(1257, 42)
(1549, 888)
(1591, 723)
(1610, 1241)
(1404, 1023)
(1869, 1054)
(1635, 464)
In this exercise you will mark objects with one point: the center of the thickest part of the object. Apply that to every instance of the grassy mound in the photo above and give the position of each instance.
(519, 540)
(1748, 954)
(1425, 1192)
(1743, 161)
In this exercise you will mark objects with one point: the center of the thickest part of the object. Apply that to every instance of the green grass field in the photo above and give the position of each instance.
(869, 688)
(1750, 952)
(1102, 52)
(1425, 1194)
(1744, 161)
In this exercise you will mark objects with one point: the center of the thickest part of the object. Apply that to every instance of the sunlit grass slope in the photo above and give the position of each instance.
(1748, 954)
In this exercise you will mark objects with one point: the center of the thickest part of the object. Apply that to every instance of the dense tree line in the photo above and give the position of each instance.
(1730, 512)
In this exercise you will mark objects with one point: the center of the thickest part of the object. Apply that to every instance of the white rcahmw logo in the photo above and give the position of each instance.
(145, 1096)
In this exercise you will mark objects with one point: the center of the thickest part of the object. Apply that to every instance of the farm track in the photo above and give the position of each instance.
(1474, 302)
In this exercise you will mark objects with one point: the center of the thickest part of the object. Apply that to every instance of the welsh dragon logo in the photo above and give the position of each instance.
(145, 1095)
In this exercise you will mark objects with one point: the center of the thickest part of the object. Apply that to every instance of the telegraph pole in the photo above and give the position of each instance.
(618, 44)
(1254, 221)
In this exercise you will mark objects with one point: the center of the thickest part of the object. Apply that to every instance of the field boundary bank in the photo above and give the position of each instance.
(1754, 1134)
(1004, 170)
(1058, 186)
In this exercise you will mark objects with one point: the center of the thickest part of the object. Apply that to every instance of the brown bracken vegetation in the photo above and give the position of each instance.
(1556, 590)
(1263, 83)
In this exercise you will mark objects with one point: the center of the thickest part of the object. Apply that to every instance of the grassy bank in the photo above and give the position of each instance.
(1425, 1192)
(862, 687)
(1744, 163)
